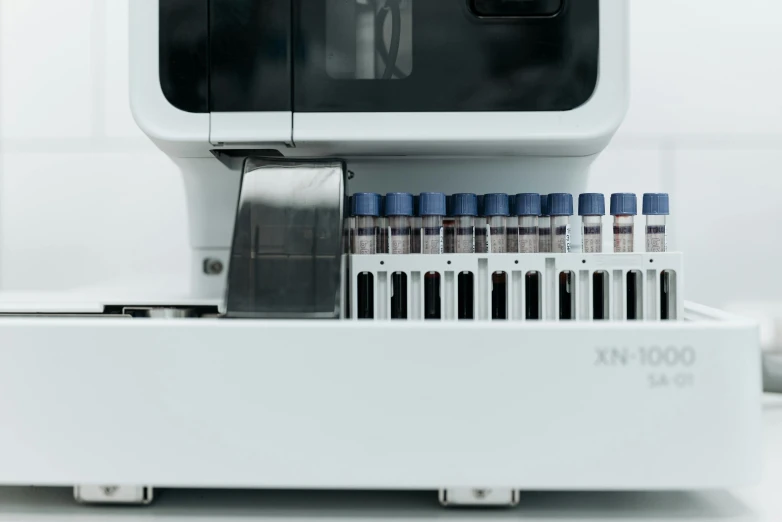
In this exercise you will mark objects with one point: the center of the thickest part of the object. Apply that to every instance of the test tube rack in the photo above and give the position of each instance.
(550, 267)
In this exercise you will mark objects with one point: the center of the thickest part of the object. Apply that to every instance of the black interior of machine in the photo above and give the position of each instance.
(378, 55)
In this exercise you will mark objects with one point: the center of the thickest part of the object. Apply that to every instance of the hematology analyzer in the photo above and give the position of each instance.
(328, 340)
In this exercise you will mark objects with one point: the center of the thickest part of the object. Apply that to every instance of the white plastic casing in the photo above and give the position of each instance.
(380, 404)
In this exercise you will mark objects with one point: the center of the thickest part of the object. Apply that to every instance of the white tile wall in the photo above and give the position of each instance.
(728, 215)
(86, 219)
(86, 200)
(46, 70)
(705, 67)
(118, 120)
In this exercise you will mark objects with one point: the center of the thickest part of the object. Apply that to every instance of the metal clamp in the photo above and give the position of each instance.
(287, 254)
(159, 312)
(113, 494)
(479, 497)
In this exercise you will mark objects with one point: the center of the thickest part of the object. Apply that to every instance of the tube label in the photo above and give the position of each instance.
(529, 242)
(433, 240)
(624, 239)
(465, 241)
(497, 240)
(561, 240)
(656, 238)
(592, 237)
(400, 240)
(365, 241)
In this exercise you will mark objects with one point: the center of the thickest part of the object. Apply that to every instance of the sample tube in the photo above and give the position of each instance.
(656, 209)
(351, 223)
(512, 241)
(591, 208)
(449, 227)
(624, 208)
(432, 213)
(415, 246)
(481, 245)
(560, 210)
(399, 211)
(496, 211)
(465, 210)
(382, 228)
(544, 225)
(347, 242)
(366, 211)
(527, 208)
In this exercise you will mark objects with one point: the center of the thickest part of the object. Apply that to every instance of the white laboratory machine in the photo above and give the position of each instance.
(263, 376)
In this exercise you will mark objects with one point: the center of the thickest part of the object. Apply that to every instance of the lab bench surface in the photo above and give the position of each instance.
(762, 502)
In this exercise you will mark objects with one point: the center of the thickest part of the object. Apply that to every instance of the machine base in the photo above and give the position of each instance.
(424, 405)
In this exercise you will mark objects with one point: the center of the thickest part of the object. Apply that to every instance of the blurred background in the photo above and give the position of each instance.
(86, 199)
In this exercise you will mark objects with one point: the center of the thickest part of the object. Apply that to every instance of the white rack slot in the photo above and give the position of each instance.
(641, 278)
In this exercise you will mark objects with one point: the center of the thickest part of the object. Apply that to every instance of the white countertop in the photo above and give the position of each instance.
(759, 503)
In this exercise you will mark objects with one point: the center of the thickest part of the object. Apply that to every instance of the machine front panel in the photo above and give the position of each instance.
(226, 55)
(250, 55)
(444, 56)
(184, 53)
(379, 55)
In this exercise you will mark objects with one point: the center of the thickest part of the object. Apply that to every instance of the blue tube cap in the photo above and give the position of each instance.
(527, 204)
(656, 205)
(591, 204)
(560, 204)
(366, 204)
(432, 204)
(465, 205)
(624, 204)
(544, 205)
(399, 204)
(496, 205)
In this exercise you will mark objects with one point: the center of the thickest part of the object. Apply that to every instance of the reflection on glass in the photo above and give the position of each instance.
(369, 39)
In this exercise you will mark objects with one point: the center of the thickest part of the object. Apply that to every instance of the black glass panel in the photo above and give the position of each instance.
(516, 7)
(184, 53)
(250, 44)
(446, 57)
